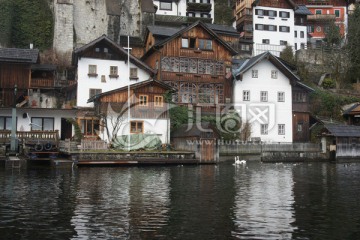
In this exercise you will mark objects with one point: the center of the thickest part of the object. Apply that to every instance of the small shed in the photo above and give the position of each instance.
(343, 140)
(201, 138)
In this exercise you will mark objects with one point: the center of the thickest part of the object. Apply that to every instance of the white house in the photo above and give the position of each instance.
(263, 89)
(102, 66)
(275, 27)
(147, 120)
(189, 8)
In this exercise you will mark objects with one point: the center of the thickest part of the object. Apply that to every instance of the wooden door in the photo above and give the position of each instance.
(208, 149)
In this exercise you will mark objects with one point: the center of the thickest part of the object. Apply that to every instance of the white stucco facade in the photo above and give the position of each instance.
(159, 127)
(276, 113)
(179, 8)
(102, 80)
(22, 122)
(300, 41)
(273, 29)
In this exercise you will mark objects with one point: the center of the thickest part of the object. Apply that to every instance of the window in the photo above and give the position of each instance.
(295, 32)
(299, 127)
(284, 29)
(302, 35)
(302, 45)
(254, 73)
(281, 129)
(205, 15)
(274, 74)
(89, 126)
(42, 124)
(271, 13)
(133, 73)
(205, 44)
(136, 127)
(282, 42)
(158, 101)
(188, 42)
(165, 5)
(281, 96)
(299, 97)
(114, 71)
(318, 11)
(266, 41)
(264, 129)
(284, 14)
(5, 123)
(227, 69)
(272, 28)
(310, 29)
(259, 12)
(337, 13)
(263, 96)
(259, 27)
(296, 46)
(92, 70)
(246, 95)
(190, 14)
(143, 100)
(94, 91)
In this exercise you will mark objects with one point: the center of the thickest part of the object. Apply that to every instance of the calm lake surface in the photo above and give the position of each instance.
(256, 201)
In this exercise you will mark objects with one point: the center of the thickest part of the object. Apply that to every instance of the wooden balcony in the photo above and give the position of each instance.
(50, 83)
(31, 137)
(201, 7)
(321, 17)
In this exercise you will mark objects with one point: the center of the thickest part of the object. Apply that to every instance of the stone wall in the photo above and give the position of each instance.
(79, 22)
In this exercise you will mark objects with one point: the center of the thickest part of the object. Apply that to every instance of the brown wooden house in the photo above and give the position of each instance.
(148, 109)
(15, 69)
(193, 60)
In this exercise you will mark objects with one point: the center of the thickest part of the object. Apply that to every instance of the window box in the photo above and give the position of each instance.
(113, 76)
(92, 74)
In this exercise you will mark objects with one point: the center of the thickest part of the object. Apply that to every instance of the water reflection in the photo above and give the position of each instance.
(263, 202)
(256, 201)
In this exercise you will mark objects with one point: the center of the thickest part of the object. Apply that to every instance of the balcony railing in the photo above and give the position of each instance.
(202, 7)
(321, 17)
(50, 83)
(29, 136)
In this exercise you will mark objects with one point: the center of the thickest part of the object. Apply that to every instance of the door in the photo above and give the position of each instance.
(66, 129)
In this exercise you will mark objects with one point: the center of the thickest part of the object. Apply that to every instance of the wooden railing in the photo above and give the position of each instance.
(85, 145)
(32, 136)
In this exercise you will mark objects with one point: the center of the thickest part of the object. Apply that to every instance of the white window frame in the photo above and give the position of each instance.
(281, 129)
(263, 96)
(255, 73)
(246, 95)
(264, 129)
(274, 74)
(281, 96)
(163, 5)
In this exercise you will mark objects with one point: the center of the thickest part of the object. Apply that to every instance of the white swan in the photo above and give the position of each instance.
(238, 161)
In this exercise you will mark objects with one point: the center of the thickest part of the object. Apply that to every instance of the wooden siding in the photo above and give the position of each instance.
(303, 119)
(11, 74)
(275, 4)
(118, 102)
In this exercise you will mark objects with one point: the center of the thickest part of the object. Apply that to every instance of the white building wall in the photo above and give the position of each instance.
(85, 83)
(23, 123)
(180, 9)
(161, 127)
(277, 113)
(274, 36)
(300, 40)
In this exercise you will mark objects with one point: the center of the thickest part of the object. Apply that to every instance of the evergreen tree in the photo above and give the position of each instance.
(353, 45)
(332, 36)
(288, 55)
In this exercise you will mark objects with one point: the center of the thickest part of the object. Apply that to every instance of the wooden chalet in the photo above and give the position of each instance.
(194, 60)
(148, 112)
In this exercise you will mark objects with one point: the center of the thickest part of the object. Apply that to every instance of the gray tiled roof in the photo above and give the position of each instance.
(224, 29)
(19, 55)
(343, 130)
(302, 10)
(164, 31)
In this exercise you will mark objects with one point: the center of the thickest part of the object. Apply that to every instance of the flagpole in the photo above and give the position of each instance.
(128, 51)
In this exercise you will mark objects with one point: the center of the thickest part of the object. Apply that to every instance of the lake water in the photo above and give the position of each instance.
(256, 201)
